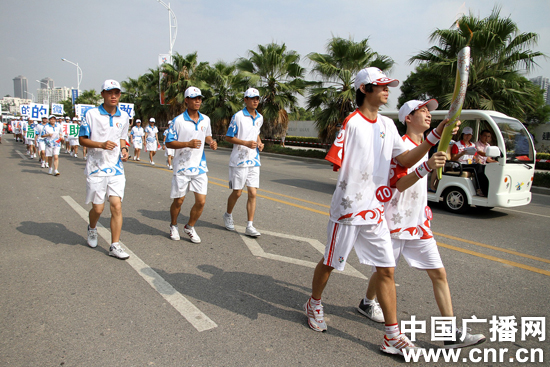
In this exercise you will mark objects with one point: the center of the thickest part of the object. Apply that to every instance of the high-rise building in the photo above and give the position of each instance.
(53, 95)
(544, 84)
(46, 83)
(20, 86)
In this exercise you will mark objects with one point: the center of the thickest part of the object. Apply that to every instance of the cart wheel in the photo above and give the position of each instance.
(455, 200)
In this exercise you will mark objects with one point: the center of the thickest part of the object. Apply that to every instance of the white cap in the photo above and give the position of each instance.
(110, 84)
(152, 119)
(51, 117)
(251, 93)
(374, 76)
(138, 120)
(75, 119)
(468, 130)
(414, 105)
(67, 118)
(192, 92)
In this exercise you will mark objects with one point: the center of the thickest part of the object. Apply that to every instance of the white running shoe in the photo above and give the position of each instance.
(252, 232)
(171, 167)
(50, 172)
(372, 311)
(47, 165)
(56, 173)
(397, 345)
(43, 165)
(92, 237)
(152, 163)
(117, 251)
(315, 317)
(138, 159)
(228, 221)
(174, 233)
(76, 155)
(190, 231)
(469, 340)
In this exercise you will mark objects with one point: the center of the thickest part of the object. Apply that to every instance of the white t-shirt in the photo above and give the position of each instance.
(189, 161)
(53, 140)
(243, 126)
(100, 126)
(138, 133)
(459, 147)
(407, 213)
(150, 133)
(362, 152)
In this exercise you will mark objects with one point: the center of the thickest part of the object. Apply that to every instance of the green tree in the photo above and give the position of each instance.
(223, 93)
(89, 97)
(68, 107)
(277, 74)
(177, 77)
(144, 93)
(335, 94)
(499, 55)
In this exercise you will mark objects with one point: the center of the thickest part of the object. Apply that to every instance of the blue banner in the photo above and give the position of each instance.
(74, 94)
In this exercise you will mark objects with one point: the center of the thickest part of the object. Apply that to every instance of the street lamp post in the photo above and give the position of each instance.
(32, 95)
(78, 73)
(171, 16)
(47, 87)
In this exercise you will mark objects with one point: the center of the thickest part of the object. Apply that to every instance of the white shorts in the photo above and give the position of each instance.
(138, 144)
(41, 145)
(51, 151)
(239, 177)
(420, 254)
(151, 146)
(29, 141)
(74, 142)
(98, 188)
(372, 245)
(182, 184)
(168, 152)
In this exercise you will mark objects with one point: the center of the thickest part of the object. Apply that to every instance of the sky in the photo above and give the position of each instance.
(119, 39)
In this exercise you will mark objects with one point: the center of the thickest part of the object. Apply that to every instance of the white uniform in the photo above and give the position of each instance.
(104, 169)
(53, 142)
(151, 143)
(189, 163)
(244, 163)
(408, 217)
(137, 133)
(39, 139)
(362, 152)
(168, 151)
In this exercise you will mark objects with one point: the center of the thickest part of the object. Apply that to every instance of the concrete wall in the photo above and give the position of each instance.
(302, 128)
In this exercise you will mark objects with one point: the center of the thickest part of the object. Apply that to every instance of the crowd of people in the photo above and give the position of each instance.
(379, 206)
(44, 139)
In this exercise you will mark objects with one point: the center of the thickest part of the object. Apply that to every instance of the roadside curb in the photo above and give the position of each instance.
(540, 190)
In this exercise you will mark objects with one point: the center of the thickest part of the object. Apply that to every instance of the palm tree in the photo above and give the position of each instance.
(177, 77)
(499, 55)
(223, 94)
(337, 68)
(89, 97)
(276, 73)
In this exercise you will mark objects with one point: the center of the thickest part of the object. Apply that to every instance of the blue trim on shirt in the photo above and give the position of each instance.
(246, 113)
(104, 112)
(187, 118)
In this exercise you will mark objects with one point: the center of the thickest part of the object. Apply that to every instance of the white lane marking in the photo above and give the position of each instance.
(21, 154)
(189, 311)
(257, 250)
(519, 211)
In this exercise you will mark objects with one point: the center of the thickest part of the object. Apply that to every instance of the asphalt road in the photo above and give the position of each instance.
(232, 300)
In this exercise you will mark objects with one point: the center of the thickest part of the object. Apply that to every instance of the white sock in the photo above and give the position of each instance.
(368, 301)
(249, 223)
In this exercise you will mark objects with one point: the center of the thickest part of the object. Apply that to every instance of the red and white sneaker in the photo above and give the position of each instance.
(315, 317)
(397, 345)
